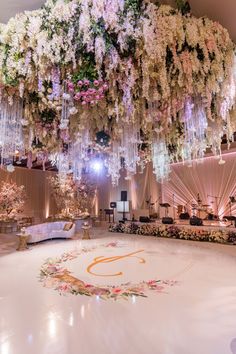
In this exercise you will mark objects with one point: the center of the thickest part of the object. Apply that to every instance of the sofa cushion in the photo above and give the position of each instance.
(68, 226)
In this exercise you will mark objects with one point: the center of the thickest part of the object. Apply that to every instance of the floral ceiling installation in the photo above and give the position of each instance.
(153, 79)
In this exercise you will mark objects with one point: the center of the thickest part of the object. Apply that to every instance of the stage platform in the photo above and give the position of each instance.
(207, 224)
(214, 231)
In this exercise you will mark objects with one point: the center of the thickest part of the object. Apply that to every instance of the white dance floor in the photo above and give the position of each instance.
(119, 294)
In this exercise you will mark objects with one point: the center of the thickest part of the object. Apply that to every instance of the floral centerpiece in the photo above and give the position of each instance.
(159, 81)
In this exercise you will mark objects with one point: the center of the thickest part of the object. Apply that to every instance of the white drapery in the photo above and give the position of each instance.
(213, 182)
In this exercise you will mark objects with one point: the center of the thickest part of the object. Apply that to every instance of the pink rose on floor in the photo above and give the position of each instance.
(116, 290)
(158, 287)
(64, 287)
(51, 269)
(99, 291)
(151, 282)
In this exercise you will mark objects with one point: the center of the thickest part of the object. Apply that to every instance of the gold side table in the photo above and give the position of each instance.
(22, 245)
(86, 234)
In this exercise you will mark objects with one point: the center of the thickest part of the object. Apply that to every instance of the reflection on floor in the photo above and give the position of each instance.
(195, 316)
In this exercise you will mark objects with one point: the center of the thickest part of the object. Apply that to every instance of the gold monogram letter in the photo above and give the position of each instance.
(102, 259)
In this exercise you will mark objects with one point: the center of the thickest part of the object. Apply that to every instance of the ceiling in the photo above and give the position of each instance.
(10, 8)
(219, 10)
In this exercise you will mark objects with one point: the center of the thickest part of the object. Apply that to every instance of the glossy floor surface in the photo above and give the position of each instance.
(195, 316)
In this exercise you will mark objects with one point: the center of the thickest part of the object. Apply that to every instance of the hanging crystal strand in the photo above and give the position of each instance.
(130, 140)
(160, 159)
(76, 160)
(195, 128)
(11, 141)
(56, 87)
(65, 114)
(113, 163)
(63, 166)
(80, 153)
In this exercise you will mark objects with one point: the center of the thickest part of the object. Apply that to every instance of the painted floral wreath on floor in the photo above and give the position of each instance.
(54, 275)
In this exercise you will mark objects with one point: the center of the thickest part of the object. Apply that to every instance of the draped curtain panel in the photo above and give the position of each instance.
(213, 182)
(40, 202)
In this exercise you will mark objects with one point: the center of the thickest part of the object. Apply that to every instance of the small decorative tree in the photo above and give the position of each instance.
(12, 200)
(72, 198)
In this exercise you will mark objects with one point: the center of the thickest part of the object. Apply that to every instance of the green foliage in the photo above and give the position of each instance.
(134, 6)
(47, 116)
(183, 6)
(87, 70)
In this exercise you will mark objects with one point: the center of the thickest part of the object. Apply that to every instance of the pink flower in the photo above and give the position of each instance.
(64, 287)
(77, 96)
(159, 287)
(105, 87)
(80, 83)
(96, 83)
(86, 82)
(116, 290)
(70, 85)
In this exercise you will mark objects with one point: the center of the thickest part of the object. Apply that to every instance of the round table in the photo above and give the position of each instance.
(86, 234)
(22, 245)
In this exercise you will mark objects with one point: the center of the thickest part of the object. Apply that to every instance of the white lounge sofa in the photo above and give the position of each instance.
(48, 231)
